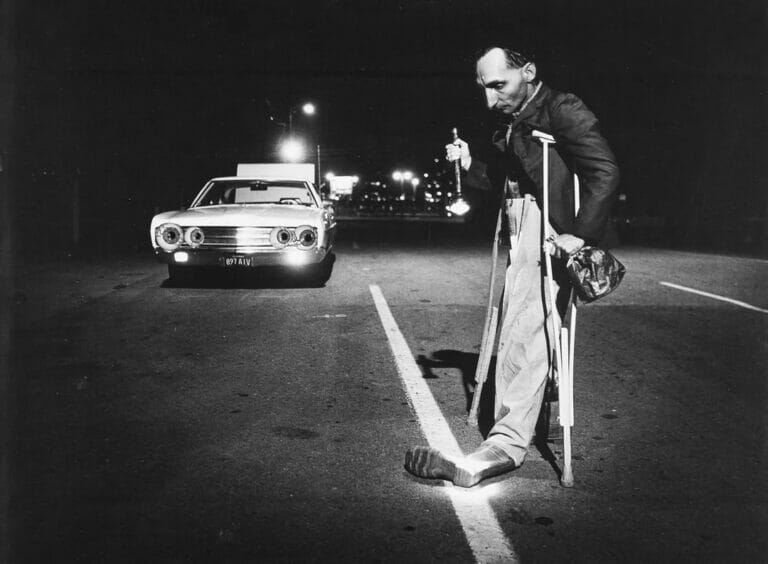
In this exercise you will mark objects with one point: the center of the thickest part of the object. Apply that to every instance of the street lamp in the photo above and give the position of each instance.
(291, 149)
(308, 109)
(402, 176)
(414, 183)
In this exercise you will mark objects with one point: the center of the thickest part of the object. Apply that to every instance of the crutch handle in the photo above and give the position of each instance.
(543, 137)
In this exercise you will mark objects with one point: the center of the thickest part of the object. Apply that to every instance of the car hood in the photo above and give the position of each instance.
(252, 215)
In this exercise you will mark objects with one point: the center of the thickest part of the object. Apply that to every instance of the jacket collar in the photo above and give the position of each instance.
(533, 106)
(500, 135)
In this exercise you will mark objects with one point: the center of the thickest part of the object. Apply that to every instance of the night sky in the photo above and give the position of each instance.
(144, 101)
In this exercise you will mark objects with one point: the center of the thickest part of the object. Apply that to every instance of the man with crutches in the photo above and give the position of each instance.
(537, 290)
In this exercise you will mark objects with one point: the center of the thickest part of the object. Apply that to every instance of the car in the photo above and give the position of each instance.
(268, 215)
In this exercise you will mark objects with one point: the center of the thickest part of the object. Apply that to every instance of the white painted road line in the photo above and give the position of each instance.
(714, 296)
(482, 529)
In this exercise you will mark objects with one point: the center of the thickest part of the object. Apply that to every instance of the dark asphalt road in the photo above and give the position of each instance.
(251, 422)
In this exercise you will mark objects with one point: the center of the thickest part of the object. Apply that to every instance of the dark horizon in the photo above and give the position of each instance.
(144, 103)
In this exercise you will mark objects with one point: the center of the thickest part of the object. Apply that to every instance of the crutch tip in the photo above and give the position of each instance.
(566, 480)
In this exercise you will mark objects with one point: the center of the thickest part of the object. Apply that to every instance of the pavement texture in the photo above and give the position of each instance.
(249, 420)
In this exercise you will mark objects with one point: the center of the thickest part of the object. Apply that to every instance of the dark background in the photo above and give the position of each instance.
(128, 107)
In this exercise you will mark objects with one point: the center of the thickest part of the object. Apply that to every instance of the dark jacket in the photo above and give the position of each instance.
(579, 147)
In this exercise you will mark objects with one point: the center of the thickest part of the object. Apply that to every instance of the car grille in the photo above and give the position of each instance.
(231, 237)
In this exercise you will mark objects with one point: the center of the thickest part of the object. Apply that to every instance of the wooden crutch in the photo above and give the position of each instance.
(563, 341)
(489, 331)
(491, 314)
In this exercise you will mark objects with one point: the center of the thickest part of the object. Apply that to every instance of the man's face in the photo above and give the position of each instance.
(505, 88)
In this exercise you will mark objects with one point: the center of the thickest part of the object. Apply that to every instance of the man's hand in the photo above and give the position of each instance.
(563, 245)
(459, 150)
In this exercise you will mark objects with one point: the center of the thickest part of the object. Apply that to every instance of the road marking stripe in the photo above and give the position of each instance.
(714, 296)
(482, 529)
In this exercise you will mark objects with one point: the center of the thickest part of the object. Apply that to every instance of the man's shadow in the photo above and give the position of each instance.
(467, 365)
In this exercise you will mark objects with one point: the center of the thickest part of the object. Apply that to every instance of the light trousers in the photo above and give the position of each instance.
(524, 356)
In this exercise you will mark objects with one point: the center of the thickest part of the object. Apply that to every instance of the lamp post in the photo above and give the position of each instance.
(308, 109)
(414, 183)
(402, 176)
(292, 149)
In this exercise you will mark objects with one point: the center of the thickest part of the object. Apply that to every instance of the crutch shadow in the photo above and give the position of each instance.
(548, 431)
(544, 446)
(467, 364)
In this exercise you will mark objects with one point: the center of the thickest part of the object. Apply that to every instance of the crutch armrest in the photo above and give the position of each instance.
(543, 137)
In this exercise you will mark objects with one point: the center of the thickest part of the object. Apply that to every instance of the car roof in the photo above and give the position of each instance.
(257, 178)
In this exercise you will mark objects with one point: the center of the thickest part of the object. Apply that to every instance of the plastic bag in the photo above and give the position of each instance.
(594, 273)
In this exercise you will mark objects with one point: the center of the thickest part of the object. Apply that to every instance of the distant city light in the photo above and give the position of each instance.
(308, 109)
(407, 175)
(414, 182)
(397, 175)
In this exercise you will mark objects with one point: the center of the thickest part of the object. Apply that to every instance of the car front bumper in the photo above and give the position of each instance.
(235, 258)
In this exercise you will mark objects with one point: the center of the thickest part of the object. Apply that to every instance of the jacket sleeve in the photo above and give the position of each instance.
(577, 133)
(478, 175)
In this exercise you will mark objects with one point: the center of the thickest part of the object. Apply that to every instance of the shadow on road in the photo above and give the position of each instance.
(547, 430)
(467, 364)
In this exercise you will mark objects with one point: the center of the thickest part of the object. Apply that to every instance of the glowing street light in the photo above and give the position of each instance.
(308, 109)
(292, 150)
(329, 176)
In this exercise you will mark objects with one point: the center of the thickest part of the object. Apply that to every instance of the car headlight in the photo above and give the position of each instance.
(168, 236)
(194, 237)
(280, 237)
(306, 236)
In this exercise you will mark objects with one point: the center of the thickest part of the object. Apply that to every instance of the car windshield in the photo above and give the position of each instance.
(285, 192)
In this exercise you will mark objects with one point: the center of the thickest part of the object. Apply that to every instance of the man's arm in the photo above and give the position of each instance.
(475, 171)
(577, 131)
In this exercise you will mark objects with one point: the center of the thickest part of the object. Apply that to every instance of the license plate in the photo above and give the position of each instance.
(236, 261)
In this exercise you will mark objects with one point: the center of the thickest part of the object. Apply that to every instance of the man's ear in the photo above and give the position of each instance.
(529, 72)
